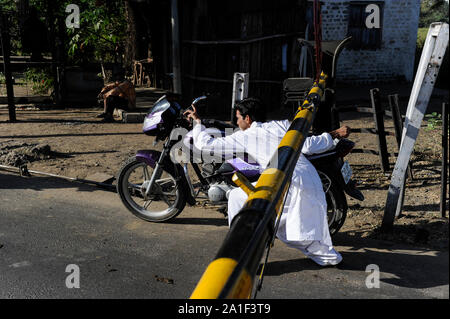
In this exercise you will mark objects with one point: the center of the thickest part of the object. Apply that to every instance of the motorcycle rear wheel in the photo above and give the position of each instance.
(336, 203)
(166, 198)
(336, 208)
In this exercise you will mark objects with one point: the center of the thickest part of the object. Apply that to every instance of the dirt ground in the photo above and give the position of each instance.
(73, 143)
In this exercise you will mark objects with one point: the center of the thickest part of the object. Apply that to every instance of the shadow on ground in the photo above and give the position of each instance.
(407, 266)
(38, 183)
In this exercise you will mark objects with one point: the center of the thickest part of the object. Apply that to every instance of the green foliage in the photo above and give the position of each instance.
(434, 120)
(421, 37)
(7, 5)
(101, 34)
(433, 11)
(42, 80)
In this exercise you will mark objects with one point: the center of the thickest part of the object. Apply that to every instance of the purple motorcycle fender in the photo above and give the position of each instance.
(149, 157)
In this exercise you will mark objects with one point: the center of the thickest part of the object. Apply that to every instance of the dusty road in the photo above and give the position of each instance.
(80, 147)
(47, 224)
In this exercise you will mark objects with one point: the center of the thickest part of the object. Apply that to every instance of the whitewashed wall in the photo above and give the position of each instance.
(395, 59)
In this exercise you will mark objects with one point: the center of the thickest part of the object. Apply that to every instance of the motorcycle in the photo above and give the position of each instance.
(155, 188)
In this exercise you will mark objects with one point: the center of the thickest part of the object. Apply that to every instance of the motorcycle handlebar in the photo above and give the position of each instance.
(198, 99)
(194, 103)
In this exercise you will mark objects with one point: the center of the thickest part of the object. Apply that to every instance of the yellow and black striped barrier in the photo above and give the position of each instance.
(231, 274)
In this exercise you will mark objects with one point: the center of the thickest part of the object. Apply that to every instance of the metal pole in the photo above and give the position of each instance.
(175, 48)
(5, 41)
(318, 37)
(52, 32)
(444, 158)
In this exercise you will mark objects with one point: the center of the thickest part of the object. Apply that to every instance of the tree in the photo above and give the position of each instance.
(102, 31)
(433, 11)
(101, 36)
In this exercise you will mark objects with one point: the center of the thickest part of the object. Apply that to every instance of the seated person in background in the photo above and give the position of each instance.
(120, 95)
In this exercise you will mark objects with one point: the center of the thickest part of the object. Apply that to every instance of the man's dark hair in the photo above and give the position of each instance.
(252, 107)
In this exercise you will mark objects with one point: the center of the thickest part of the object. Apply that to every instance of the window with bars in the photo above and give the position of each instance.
(364, 36)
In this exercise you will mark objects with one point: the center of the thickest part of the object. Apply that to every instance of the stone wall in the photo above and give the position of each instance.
(395, 59)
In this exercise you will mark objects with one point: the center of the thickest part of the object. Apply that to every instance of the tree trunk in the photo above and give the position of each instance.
(130, 46)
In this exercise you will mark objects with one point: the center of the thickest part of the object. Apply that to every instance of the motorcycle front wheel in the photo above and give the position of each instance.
(165, 200)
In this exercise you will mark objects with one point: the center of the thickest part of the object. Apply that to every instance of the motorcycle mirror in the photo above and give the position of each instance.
(200, 98)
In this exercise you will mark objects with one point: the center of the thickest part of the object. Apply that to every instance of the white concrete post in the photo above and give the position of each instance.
(240, 89)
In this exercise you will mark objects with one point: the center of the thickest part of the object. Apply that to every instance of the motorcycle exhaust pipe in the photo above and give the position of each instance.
(186, 174)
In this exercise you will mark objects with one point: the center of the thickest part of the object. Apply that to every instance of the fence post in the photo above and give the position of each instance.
(176, 63)
(398, 125)
(5, 41)
(445, 119)
(378, 114)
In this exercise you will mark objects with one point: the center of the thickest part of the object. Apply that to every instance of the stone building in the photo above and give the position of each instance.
(384, 52)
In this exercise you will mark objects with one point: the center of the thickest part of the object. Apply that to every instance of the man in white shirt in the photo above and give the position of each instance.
(303, 224)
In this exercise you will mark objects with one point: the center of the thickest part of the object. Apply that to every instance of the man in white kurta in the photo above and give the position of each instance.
(303, 224)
